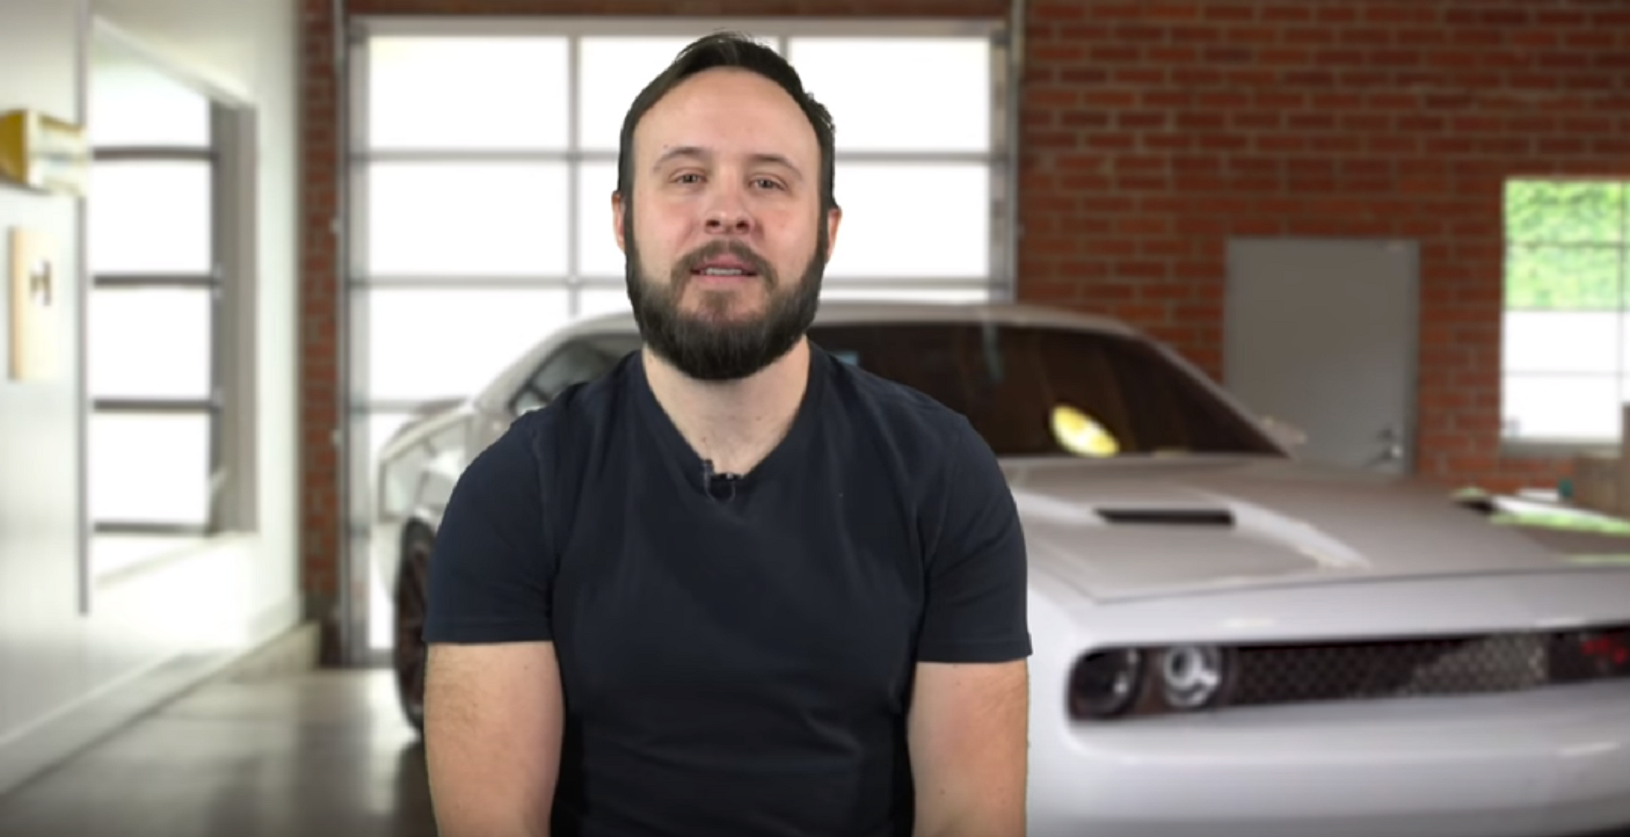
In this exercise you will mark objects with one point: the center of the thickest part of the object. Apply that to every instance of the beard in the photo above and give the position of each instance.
(711, 344)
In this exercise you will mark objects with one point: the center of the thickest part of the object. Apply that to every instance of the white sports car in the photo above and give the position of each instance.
(1227, 641)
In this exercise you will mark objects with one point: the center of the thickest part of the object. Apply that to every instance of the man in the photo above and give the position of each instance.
(734, 586)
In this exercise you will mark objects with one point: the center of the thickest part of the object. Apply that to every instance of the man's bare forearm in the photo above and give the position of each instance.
(973, 824)
(493, 724)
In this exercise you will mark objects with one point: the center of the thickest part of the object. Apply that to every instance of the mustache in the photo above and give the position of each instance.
(735, 249)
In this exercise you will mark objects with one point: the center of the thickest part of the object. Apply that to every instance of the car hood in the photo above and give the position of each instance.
(1117, 529)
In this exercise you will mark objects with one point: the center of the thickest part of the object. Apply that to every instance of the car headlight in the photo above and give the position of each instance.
(1105, 683)
(1192, 676)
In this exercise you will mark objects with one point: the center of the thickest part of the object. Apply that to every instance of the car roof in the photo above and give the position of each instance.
(831, 313)
(854, 313)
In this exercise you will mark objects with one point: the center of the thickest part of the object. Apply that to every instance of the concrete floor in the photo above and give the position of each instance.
(302, 753)
(313, 754)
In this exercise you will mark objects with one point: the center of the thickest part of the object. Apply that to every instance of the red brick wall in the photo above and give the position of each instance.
(1155, 130)
(321, 397)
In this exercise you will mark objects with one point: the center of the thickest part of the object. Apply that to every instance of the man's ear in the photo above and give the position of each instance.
(617, 210)
(834, 217)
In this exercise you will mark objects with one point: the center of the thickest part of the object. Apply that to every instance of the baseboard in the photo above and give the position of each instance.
(278, 643)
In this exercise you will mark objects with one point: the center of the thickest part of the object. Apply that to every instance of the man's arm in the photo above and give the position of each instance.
(493, 717)
(968, 729)
(969, 748)
(493, 710)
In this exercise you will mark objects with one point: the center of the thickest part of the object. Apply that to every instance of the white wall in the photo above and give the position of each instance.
(68, 676)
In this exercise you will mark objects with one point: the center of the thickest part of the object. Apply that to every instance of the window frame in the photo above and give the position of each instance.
(1000, 159)
(231, 490)
(222, 515)
(1547, 446)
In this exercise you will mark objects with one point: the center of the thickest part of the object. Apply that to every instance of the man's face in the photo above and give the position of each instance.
(725, 239)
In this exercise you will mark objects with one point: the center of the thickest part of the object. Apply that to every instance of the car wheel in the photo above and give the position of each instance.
(409, 649)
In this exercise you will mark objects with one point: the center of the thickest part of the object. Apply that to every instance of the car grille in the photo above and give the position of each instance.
(1483, 664)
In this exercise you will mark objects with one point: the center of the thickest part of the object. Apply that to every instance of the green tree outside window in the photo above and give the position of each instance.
(1566, 245)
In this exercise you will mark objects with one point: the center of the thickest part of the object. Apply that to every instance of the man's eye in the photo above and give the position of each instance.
(688, 178)
(766, 183)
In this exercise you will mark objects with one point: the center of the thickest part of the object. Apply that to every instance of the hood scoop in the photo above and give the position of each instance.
(1166, 516)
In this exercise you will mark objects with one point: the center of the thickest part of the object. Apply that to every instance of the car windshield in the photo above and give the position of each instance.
(1028, 390)
(1038, 391)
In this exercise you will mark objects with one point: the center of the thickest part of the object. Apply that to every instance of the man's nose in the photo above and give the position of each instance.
(729, 214)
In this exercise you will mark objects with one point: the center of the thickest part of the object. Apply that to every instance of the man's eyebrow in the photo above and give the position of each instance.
(680, 151)
(777, 160)
(700, 153)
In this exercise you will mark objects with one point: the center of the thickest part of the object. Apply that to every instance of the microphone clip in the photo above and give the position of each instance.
(718, 486)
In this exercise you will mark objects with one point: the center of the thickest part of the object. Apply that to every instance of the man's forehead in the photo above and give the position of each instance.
(723, 107)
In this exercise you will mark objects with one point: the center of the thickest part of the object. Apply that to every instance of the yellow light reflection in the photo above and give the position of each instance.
(1078, 433)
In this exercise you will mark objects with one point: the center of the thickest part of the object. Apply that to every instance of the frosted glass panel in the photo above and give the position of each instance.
(467, 219)
(149, 468)
(593, 302)
(427, 343)
(912, 219)
(1575, 407)
(928, 294)
(614, 71)
(134, 103)
(381, 426)
(1623, 348)
(598, 253)
(149, 342)
(467, 93)
(150, 217)
(1562, 341)
(935, 95)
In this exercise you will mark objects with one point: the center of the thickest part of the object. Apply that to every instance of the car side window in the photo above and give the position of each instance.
(572, 363)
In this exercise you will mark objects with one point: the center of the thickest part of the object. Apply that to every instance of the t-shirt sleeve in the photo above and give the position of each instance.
(491, 570)
(976, 609)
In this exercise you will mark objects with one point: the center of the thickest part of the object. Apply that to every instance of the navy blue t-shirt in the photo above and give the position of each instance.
(736, 655)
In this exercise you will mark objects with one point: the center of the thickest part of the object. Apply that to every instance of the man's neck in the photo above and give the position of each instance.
(733, 424)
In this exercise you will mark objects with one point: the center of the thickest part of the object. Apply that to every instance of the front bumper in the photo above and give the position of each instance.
(1539, 764)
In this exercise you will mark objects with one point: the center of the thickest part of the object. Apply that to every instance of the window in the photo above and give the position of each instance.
(466, 221)
(936, 97)
(486, 93)
(945, 234)
(161, 433)
(1566, 351)
(428, 343)
(152, 213)
(484, 158)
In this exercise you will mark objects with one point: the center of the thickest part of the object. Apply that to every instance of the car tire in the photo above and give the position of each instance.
(408, 653)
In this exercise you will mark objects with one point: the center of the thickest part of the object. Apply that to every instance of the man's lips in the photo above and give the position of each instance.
(725, 266)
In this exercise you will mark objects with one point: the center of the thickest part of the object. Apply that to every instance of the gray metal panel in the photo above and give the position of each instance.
(1323, 333)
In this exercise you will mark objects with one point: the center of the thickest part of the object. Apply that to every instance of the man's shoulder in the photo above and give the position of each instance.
(550, 442)
(541, 441)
